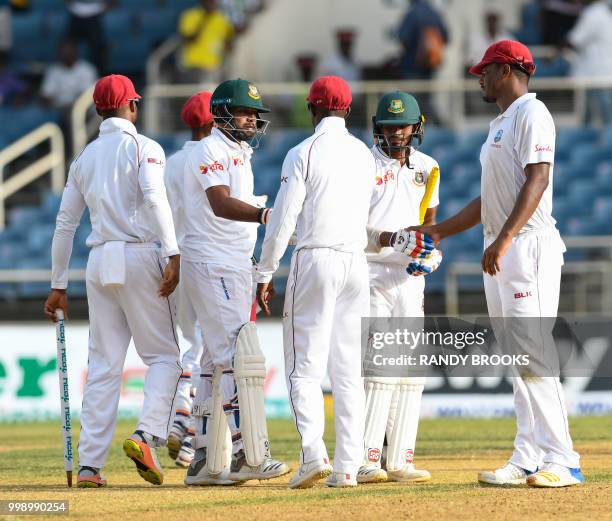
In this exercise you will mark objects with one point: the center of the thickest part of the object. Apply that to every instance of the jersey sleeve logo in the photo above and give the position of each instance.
(237, 161)
(213, 167)
(543, 148)
(154, 161)
(396, 106)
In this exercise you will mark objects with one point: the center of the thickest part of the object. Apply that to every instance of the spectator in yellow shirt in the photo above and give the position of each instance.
(207, 39)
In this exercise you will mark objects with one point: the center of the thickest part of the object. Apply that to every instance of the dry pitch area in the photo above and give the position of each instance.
(454, 450)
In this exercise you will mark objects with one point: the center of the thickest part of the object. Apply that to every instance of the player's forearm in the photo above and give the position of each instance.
(464, 220)
(61, 250)
(526, 203)
(236, 210)
(163, 223)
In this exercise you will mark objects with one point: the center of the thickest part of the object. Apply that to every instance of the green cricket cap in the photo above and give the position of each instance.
(398, 108)
(237, 93)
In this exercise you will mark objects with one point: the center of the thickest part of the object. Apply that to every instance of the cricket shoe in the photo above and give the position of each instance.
(185, 455)
(270, 468)
(371, 473)
(175, 438)
(198, 475)
(140, 448)
(90, 477)
(341, 480)
(553, 475)
(309, 473)
(508, 475)
(408, 474)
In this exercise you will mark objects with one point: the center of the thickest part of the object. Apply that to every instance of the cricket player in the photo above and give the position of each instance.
(522, 258)
(221, 219)
(132, 270)
(326, 187)
(396, 281)
(197, 117)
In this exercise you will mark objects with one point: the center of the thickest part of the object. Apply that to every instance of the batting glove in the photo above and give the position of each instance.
(425, 266)
(412, 243)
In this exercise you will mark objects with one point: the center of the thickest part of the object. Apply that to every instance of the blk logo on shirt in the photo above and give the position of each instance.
(523, 294)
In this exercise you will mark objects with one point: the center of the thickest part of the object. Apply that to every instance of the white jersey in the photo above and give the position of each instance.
(326, 186)
(175, 181)
(524, 134)
(396, 200)
(120, 178)
(218, 161)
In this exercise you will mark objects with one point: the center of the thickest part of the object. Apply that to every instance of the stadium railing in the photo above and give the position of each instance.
(53, 162)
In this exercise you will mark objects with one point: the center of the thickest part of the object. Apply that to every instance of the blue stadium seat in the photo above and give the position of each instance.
(119, 23)
(589, 155)
(48, 5)
(128, 55)
(602, 209)
(24, 120)
(569, 138)
(50, 205)
(157, 25)
(26, 26)
(39, 239)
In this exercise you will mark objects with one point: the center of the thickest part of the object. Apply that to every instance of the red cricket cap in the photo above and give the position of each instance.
(196, 111)
(114, 91)
(506, 51)
(330, 92)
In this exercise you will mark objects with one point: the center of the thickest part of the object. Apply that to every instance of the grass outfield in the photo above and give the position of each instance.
(454, 450)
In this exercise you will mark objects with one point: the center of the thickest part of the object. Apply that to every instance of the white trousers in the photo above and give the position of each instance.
(190, 329)
(327, 294)
(116, 314)
(528, 286)
(222, 298)
(394, 293)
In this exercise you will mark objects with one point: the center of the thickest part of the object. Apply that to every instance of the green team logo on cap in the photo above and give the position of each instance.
(253, 92)
(396, 106)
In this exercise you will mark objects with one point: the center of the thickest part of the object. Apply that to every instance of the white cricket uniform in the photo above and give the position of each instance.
(398, 191)
(529, 280)
(120, 178)
(326, 186)
(396, 201)
(216, 260)
(186, 315)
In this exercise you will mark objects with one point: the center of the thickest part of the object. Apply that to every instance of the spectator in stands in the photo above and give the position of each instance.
(240, 11)
(66, 80)
(341, 62)
(12, 88)
(591, 38)
(299, 115)
(207, 40)
(557, 17)
(86, 25)
(423, 36)
(481, 40)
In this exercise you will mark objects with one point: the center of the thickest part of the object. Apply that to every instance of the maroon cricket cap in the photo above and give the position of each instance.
(196, 111)
(330, 92)
(506, 51)
(114, 91)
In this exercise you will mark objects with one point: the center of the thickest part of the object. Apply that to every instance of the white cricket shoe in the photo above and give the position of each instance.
(185, 455)
(408, 474)
(309, 473)
(341, 480)
(175, 438)
(240, 470)
(509, 474)
(371, 473)
(553, 475)
(197, 473)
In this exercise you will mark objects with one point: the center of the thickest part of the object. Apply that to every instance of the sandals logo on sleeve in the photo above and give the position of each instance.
(213, 167)
(396, 106)
(253, 92)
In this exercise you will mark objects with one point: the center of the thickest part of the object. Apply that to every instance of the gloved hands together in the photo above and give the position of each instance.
(425, 266)
(412, 243)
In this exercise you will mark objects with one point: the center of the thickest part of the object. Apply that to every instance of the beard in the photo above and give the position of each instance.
(244, 134)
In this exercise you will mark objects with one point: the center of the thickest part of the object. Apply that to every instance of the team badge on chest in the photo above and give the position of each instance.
(419, 178)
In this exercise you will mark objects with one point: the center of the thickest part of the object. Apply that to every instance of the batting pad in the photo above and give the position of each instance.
(250, 374)
(379, 392)
(218, 436)
(403, 422)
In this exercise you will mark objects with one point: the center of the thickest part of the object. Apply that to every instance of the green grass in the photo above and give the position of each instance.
(31, 467)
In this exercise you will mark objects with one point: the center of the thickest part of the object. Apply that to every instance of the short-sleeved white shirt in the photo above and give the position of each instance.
(396, 200)
(218, 161)
(524, 134)
(175, 180)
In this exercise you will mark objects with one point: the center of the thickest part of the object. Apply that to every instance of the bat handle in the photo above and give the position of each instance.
(59, 313)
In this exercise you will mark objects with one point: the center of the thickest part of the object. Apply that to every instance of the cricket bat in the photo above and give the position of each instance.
(432, 181)
(64, 394)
